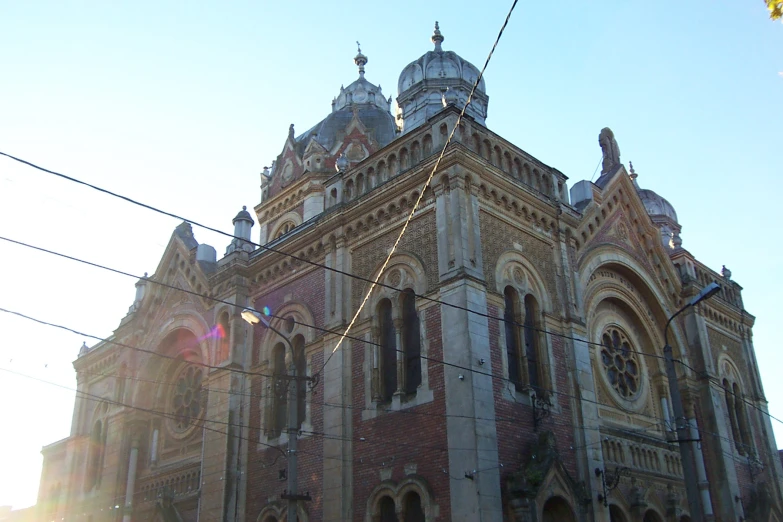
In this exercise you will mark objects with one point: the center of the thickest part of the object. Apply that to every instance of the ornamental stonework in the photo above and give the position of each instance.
(421, 238)
(498, 237)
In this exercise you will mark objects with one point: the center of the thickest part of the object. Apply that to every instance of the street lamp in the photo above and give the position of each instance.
(686, 450)
(254, 318)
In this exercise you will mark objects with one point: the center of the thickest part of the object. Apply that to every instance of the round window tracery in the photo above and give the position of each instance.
(186, 399)
(620, 364)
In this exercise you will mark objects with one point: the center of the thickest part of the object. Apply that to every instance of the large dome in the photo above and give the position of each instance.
(437, 79)
(360, 123)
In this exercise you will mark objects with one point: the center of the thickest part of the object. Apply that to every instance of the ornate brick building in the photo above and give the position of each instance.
(509, 365)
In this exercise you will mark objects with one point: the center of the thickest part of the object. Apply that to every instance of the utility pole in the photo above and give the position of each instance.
(686, 451)
(291, 494)
(683, 426)
(293, 429)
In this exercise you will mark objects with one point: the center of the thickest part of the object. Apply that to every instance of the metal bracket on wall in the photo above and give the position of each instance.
(609, 481)
(542, 408)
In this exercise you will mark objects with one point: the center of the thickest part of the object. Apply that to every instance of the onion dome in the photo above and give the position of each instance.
(437, 79)
(661, 212)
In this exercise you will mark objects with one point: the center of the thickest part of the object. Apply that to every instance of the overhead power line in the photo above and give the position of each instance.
(424, 187)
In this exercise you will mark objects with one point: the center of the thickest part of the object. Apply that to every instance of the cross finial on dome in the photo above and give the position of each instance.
(437, 38)
(360, 59)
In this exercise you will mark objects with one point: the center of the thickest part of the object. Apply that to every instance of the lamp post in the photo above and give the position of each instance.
(254, 318)
(683, 435)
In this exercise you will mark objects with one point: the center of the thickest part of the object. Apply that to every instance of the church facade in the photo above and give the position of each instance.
(507, 365)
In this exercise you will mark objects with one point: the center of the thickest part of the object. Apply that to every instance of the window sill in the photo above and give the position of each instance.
(398, 402)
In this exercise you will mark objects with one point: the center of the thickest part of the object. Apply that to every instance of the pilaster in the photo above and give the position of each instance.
(473, 443)
(723, 488)
(338, 432)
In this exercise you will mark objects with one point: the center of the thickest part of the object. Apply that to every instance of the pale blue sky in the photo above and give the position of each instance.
(181, 106)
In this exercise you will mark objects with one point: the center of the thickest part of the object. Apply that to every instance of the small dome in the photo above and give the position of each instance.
(422, 83)
(661, 213)
(244, 215)
(657, 205)
(361, 99)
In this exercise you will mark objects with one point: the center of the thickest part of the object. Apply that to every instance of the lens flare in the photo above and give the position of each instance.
(266, 311)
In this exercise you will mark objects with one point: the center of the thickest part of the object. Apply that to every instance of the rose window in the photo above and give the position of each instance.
(620, 363)
(186, 399)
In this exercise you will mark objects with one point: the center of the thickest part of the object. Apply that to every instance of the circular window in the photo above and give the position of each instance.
(620, 364)
(186, 399)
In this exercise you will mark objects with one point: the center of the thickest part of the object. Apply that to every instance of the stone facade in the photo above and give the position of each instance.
(509, 365)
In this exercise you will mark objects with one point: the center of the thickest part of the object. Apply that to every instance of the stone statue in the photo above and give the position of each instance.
(291, 131)
(609, 149)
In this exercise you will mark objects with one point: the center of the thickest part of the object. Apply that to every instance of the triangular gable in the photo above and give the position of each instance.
(176, 269)
(618, 218)
(314, 147)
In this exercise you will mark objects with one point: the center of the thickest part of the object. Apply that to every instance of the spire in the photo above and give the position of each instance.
(633, 175)
(437, 38)
(360, 60)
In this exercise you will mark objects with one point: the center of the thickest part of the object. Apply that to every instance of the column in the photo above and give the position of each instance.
(131, 483)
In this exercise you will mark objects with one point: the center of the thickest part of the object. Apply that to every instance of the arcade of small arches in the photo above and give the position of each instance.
(407, 156)
(389, 166)
(407, 501)
(518, 168)
(618, 514)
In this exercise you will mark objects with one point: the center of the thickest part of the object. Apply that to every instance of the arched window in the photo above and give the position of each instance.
(735, 407)
(616, 514)
(223, 336)
(652, 516)
(95, 456)
(388, 511)
(411, 341)
(121, 379)
(742, 418)
(388, 341)
(412, 510)
(557, 509)
(279, 392)
(532, 348)
(510, 319)
(287, 227)
(524, 346)
(301, 384)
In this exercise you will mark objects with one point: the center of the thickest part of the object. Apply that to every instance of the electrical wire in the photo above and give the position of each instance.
(422, 191)
(465, 368)
(307, 325)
